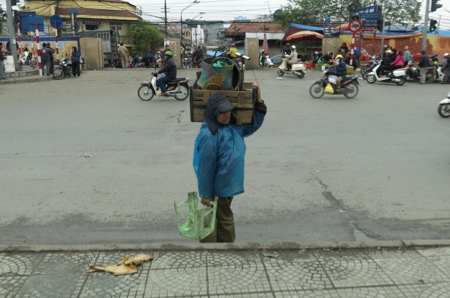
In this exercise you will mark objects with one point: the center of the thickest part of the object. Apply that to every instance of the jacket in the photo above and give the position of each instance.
(398, 61)
(232, 52)
(169, 69)
(341, 68)
(75, 56)
(424, 61)
(219, 153)
(293, 57)
(407, 56)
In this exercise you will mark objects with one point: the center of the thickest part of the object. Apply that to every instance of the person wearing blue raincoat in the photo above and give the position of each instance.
(219, 154)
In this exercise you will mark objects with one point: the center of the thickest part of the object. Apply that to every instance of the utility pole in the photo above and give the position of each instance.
(12, 32)
(425, 26)
(165, 17)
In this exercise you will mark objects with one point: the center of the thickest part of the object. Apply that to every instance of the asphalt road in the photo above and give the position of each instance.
(85, 161)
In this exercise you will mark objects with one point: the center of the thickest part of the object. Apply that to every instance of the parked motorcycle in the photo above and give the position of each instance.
(413, 73)
(28, 59)
(444, 107)
(349, 85)
(178, 88)
(266, 62)
(397, 76)
(298, 69)
(65, 68)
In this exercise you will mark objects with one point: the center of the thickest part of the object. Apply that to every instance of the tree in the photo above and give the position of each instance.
(146, 38)
(313, 12)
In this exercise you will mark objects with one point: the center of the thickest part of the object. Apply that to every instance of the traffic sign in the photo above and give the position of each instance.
(56, 21)
(369, 20)
(74, 12)
(355, 25)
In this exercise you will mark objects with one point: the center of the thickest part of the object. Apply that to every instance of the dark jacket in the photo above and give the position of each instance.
(424, 61)
(170, 69)
(45, 54)
(2, 56)
(447, 64)
(341, 68)
(75, 56)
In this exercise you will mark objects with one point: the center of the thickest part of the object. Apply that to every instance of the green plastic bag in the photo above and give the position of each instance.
(195, 223)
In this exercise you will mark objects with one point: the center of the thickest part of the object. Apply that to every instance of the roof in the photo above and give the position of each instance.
(253, 27)
(298, 27)
(99, 12)
(117, 1)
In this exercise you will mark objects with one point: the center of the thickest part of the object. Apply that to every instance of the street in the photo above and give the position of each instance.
(85, 161)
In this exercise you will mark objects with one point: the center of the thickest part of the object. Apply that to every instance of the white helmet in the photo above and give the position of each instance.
(293, 47)
(445, 55)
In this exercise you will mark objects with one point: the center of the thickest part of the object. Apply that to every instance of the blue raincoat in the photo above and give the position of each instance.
(219, 152)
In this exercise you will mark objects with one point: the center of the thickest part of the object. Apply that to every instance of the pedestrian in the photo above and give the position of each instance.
(424, 62)
(51, 58)
(136, 61)
(45, 59)
(123, 54)
(407, 56)
(2, 62)
(219, 155)
(75, 62)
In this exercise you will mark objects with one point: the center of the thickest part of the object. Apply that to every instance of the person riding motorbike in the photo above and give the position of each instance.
(341, 69)
(232, 53)
(197, 56)
(170, 71)
(386, 62)
(293, 57)
(287, 49)
(446, 67)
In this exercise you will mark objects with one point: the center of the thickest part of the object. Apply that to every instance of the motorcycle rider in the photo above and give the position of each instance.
(446, 79)
(341, 69)
(287, 49)
(170, 71)
(262, 58)
(197, 56)
(390, 58)
(293, 57)
(232, 53)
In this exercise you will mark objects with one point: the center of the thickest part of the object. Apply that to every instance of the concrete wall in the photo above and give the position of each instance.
(92, 51)
(252, 50)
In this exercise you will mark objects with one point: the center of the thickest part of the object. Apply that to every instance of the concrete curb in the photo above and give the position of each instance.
(28, 79)
(226, 246)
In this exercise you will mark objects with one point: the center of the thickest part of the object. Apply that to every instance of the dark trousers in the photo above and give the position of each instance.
(76, 68)
(225, 230)
(163, 81)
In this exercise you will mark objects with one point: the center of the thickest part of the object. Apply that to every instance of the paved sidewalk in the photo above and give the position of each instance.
(353, 269)
(27, 74)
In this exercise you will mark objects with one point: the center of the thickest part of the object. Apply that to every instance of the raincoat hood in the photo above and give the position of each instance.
(217, 103)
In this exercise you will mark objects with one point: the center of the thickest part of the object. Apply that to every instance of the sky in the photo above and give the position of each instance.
(227, 10)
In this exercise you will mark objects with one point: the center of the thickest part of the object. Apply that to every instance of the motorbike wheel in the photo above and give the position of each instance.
(280, 72)
(184, 92)
(301, 75)
(431, 77)
(352, 90)
(58, 73)
(33, 63)
(371, 79)
(402, 81)
(316, 90)
(145, 93)
(444, 110)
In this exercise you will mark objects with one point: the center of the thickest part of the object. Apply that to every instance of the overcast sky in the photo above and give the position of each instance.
(153, 10)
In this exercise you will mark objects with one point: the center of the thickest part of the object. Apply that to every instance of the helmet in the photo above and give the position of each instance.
(339, 56)
(293, 47)
(445, 55)
(168, 53)
(233, 45)
(288, 44)
(389, 52)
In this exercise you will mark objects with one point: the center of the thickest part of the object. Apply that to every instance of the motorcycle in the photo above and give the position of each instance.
(413, 73)
(178, 88)
(368, 67)
(298, 69)
(186, 61)
(349, 85)
(397, 76)
(266, 62)
(28, 59)
(444, 107)
(240, 60)
(65, 68)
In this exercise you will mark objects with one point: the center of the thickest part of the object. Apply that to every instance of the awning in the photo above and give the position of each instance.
(304, 35)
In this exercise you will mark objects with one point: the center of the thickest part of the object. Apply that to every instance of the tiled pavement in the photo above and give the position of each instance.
(231, 271)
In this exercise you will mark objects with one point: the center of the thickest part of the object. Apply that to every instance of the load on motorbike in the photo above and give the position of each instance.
(291, 65)
(328, 85)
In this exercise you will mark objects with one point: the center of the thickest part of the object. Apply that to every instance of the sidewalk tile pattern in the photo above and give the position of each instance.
(408, 273)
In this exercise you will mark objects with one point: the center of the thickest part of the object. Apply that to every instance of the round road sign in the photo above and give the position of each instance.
(355, 25)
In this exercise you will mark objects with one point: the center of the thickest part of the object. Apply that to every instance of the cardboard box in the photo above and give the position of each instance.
(242, 101)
